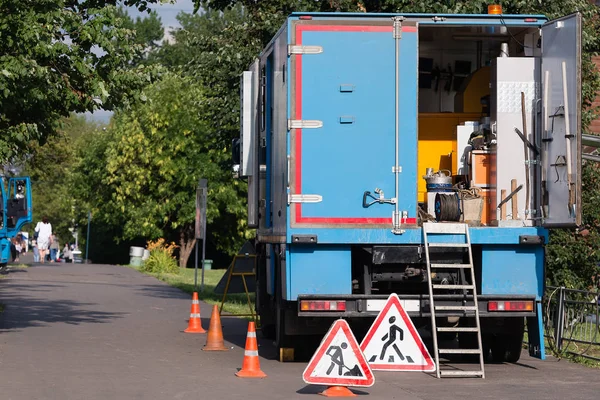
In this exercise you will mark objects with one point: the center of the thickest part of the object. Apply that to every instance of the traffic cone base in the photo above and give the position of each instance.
(245, 374)
(214, 339)
(337, 391)
(195, 323)
(251, 363)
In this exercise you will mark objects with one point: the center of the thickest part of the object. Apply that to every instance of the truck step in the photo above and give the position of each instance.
(457, 329)
(450, 265)
(460, 245)
(450, 287)
(459, 351)
(455, 308)
(458, 373)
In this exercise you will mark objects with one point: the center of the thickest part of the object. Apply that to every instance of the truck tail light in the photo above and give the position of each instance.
(510, 306)
(322, 305)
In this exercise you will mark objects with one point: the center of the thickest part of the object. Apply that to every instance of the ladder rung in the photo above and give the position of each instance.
(459, 351)
(449, 287)
(460, 373)
(450, 265)
(457, 329)
(445, 228)
(455, 308)
(449, 245)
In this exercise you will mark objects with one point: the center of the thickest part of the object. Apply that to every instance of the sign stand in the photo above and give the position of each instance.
(243, 275)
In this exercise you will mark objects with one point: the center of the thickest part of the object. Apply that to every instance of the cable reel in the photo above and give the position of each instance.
(447, 207)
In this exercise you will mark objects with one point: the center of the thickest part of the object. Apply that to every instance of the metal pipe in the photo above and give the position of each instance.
(591, 157)
(590, 140)
(567, 124)
(397, 37)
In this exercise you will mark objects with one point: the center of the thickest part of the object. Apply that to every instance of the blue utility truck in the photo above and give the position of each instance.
(423, 155)
(15, 212)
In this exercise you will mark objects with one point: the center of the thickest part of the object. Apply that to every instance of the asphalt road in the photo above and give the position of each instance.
(72, 331)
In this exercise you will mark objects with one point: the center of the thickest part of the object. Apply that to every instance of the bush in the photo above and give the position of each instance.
(161, 258)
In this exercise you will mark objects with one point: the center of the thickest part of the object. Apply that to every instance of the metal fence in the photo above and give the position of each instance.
(572, 322)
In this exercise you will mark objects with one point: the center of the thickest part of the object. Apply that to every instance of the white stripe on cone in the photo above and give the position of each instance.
(251, 353)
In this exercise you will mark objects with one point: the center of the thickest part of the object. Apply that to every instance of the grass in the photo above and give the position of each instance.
(571, 350)
(234, 304)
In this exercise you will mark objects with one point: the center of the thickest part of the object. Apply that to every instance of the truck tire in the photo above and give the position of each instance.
(507, 347)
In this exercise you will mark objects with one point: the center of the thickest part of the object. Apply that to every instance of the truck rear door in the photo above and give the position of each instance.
(561, 122)
(342, 123)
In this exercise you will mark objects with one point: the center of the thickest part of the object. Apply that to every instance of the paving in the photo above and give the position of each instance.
(78, 331)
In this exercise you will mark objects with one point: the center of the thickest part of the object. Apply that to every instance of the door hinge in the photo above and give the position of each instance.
(304, 198)
(304, 124)
(300, 49)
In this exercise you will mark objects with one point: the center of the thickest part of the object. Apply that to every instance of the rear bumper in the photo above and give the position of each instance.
(416, 305)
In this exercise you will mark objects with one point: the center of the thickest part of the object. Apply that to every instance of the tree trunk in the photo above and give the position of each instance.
(187, 241)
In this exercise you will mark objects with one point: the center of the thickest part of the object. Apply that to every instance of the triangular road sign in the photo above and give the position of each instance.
(338, 361)
(393, 343)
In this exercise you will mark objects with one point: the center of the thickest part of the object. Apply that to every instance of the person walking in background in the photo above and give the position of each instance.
(54, 248)
(36, 252)
(44, 231)
(15, 248)
(67, 254)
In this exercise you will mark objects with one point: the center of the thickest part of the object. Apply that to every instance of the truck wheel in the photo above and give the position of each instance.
(507, 347)
(514, 346)
(499, 350)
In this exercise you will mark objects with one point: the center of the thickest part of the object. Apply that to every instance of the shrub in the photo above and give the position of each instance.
(161, 258)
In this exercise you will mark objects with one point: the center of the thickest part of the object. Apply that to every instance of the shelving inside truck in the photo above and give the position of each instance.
(458, 76)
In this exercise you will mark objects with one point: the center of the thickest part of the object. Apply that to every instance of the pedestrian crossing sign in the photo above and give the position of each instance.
(338, 361)
(393, 343)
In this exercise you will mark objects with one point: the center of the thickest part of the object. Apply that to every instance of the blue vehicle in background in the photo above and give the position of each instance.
(416, 154)
(15, 213)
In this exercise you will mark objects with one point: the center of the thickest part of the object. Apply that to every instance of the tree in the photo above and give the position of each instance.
(62, 56)
(156, 155)
(51, 169)
(149, 32)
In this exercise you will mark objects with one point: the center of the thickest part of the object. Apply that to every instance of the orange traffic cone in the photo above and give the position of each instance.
(251, 365)
(337, 391)
(214, 339)
(195, 324)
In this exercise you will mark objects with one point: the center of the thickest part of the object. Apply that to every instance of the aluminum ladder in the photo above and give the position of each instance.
(460, 309)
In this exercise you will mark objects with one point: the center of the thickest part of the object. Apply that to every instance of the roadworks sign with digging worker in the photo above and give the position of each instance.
(338, 361)
(393, 343)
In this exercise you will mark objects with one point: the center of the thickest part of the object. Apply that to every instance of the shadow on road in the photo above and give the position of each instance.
(25, 306)
(316, 389)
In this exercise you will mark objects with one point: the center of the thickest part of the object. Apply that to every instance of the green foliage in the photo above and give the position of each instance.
(161, 258)
(143, 173)
(58, 57)
(51, 169)
(573, 256)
